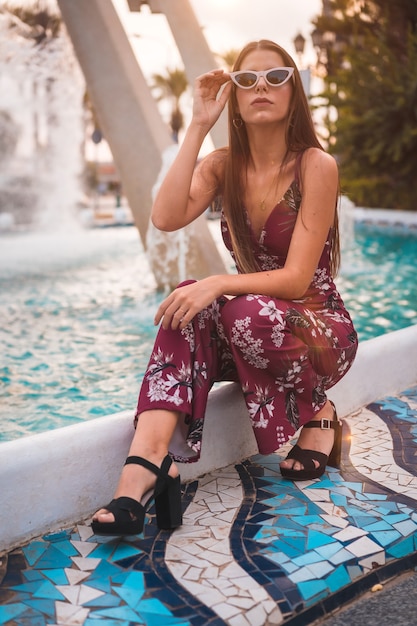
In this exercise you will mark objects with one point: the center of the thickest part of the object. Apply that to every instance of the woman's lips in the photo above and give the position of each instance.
(261, 101)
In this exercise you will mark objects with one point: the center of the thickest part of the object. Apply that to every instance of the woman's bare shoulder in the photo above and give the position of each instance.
(316, 160)
(216, 160)
(212, 166)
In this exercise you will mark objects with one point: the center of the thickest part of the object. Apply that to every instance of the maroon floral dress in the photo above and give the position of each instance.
(284, 354)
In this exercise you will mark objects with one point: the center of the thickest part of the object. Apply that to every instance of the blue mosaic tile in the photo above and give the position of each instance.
(377, 526)
(104, 601)
(385, 537)
(354, 571)
(93, 621)
(120, 613)
(313, 589)
(46, 607)
(57, 576)
(316, 539)
(48, 591)
(11, 611)
(402, 548)
(328, 550)
(124, 551)
(29, 588)
(53, 558)
(34, 574)
(338, 579)
(34, 551)
(66, 547)
(281, 559)
(57, 537)
(29, 618)
(307, 559)
(280, 537)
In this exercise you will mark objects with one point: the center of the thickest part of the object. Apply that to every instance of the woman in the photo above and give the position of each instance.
(278, 326)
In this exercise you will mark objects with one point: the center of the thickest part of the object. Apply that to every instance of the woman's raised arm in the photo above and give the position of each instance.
(187, 191)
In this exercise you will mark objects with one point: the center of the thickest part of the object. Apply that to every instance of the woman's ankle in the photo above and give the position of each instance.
(327, 412)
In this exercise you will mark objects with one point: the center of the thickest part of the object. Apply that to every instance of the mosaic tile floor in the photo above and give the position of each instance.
(254, 549)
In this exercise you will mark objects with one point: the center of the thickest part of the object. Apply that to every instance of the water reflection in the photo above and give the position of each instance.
(77, 318)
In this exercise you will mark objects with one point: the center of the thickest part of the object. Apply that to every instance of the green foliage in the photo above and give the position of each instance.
(45, 22)
(372, 83)
(229, 57)
(171, 86)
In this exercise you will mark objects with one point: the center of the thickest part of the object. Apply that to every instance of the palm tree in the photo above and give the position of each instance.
(45, 64)
(44, 22)
(229, 57)
(39, 22)
(171, 86)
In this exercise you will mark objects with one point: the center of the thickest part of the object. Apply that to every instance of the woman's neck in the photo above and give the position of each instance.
(266, 149)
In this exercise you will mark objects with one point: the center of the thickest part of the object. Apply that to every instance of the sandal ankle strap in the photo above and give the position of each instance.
(161, 472)
(325, 423)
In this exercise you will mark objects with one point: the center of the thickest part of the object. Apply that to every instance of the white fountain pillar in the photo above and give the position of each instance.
(193, 48)
(129, 118)
(126, 111)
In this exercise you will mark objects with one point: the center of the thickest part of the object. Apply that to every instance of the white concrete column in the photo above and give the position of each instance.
(195, 53)
(127, 113)
(129, 118)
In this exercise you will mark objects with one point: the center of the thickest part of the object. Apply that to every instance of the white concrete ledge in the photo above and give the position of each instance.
(385, 217)
(53, 479)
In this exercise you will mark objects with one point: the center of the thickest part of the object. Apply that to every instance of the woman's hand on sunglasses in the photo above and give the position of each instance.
(211, 93)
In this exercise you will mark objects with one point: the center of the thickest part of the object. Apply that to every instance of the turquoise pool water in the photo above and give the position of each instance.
(378, 279)
(77, 309)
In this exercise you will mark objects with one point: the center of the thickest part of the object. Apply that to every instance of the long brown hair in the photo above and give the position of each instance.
(299, 135)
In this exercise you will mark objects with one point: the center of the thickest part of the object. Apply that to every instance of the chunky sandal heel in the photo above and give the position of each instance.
(308, 457)
(129, 514)
(335, 456)
(168, 506)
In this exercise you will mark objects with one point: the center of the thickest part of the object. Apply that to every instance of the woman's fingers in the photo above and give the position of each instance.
(173, 312)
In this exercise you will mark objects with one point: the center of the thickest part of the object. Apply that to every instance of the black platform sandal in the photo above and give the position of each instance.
(307, 457)
(129, 514)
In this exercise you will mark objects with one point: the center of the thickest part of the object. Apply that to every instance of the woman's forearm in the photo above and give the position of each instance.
(171, 208)
(280, 283)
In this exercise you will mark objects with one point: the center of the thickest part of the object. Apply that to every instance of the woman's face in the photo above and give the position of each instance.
(263, 103)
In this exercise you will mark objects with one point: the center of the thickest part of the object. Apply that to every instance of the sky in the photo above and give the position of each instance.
(226, 24)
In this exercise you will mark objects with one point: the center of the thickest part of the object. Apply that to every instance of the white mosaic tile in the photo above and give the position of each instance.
(301, 575)
(363, 547)
(238, 620)
(75, 576)
(369, 432)
(226, 610)
(79, 594)
(318, 495)
(257, 616)
(85, 532)
(406, 527)
(84, 563)
(340, 557)
(84, 548)
(337, 519)
(69, 614)
(212, 574)
(369, 562)
(349, 533)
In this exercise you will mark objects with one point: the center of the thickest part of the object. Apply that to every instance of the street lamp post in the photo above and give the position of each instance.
(299, 45)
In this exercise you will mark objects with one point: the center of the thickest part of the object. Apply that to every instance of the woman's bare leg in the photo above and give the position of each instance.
(314, 439)
(151, 440)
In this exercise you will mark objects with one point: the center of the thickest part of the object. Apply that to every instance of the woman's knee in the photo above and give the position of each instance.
(262, 310)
